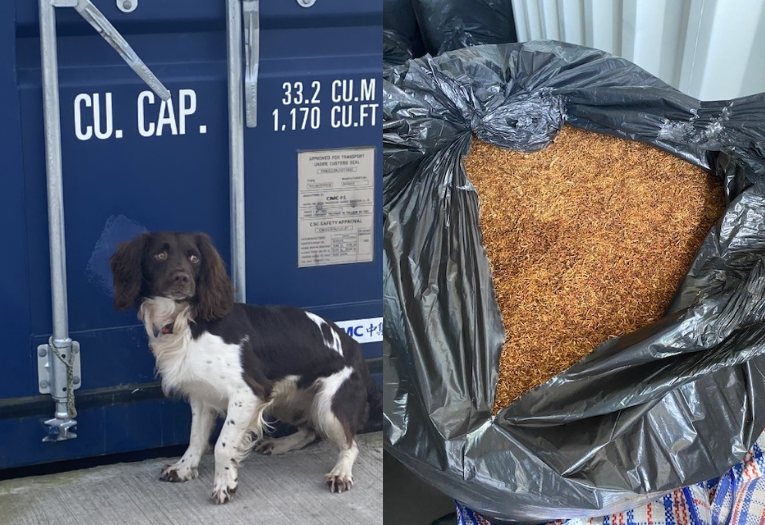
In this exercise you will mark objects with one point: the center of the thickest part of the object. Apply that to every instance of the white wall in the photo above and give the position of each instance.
(709, 49)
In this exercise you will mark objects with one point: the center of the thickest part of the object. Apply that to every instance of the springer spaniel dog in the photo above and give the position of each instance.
(241, 361)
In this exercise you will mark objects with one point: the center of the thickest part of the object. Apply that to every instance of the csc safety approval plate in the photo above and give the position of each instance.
(336, 190)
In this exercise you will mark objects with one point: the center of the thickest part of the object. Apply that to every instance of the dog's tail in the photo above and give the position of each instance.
(375, 400)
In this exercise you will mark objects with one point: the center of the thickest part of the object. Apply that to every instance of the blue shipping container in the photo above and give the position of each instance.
(133, 162)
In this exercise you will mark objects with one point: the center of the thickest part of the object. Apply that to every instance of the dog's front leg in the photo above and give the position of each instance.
(202, 421)
(243, 407)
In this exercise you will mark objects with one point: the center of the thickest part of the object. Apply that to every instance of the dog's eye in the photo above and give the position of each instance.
(161, 256)
(194, 259)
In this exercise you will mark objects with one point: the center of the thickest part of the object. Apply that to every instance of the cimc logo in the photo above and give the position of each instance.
(364, 330)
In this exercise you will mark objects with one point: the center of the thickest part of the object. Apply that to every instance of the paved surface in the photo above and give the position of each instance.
(285, 489)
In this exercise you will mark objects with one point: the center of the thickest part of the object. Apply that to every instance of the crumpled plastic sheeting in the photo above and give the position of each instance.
(453, 24)
(399, 17)
(667, 406)
(396, 50)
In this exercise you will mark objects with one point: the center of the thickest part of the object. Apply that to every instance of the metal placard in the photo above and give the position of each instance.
(336, 191)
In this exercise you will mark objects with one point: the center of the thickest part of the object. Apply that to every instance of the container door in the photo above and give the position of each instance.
(132, 162)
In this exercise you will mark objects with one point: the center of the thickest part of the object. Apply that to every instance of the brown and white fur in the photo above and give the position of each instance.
(243, 362)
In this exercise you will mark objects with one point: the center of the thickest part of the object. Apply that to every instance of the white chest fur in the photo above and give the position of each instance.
(206, 368)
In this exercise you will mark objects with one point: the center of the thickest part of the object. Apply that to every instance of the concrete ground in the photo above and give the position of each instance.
(272, 489)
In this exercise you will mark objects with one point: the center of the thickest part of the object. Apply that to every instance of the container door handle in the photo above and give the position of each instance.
(107, 31)
(251, 15)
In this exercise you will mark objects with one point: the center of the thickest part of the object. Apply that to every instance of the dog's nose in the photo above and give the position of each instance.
(181, 278)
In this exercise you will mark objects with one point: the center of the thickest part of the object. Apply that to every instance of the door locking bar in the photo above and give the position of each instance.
(59, 361)
(107, 31)
(234, 40)
(242, 27)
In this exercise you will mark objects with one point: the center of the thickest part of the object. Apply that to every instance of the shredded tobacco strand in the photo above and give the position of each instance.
(588, 239)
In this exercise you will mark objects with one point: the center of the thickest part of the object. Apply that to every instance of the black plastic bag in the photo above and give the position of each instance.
(666, 406)
(453, 24)
(399, 17)
(396, 50)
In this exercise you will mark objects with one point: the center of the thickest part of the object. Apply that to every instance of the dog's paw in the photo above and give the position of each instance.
(177, 473)
(224, 493)
(273, 446)
(265, 446)
(226, 483)
(338, 483)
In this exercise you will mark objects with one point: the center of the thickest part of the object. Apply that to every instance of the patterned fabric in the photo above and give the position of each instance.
(736, 498)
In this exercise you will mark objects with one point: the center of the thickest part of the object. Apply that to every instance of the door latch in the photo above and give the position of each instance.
(107, 31)
(44, 356)
(51, 380)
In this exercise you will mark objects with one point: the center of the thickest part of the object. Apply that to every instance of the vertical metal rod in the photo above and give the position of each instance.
(55, 204)
(236, 144)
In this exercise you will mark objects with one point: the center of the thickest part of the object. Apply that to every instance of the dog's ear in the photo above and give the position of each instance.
(127, 271)
(215, 295)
